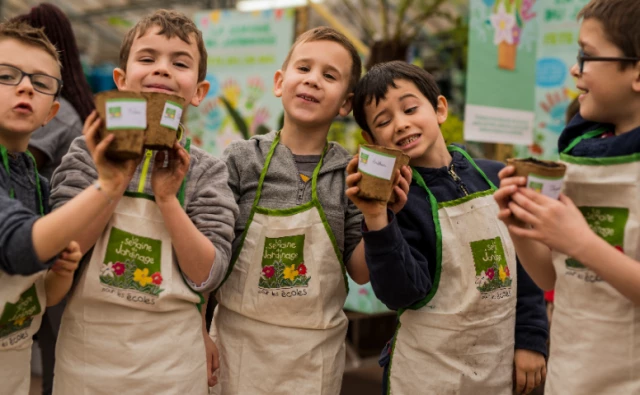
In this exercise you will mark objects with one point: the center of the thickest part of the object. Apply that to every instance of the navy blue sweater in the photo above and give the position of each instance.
(624, 144)
(17, 216)
(402, 256)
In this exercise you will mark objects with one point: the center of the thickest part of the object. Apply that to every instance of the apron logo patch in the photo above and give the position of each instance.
(283, 266)
(19, 316)
(493, 278)
(132, 263)
(609, 224)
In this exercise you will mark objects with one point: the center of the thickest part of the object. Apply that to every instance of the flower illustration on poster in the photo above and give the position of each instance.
(508, 19)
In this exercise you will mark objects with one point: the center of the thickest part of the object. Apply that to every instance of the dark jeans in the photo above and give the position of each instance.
(47, 336)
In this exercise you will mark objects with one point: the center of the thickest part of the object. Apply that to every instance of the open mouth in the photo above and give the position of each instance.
(23, 107)
(408, 140)
(308, 98)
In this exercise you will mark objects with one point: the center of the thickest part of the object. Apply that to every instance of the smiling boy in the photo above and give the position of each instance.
(132, 325)
(469, 317)
(587, 244)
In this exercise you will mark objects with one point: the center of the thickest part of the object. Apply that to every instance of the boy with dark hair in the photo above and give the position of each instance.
(279, 323)
(444, 261)
(587, 244)
(132, 322)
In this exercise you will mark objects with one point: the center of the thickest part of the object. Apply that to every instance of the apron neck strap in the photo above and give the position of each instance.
(453, 148)
(267, 162)
(147, 163)
(586, 136)
(5, 162)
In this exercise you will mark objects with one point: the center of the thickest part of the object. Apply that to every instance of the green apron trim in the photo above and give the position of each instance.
(436, 221)
(393, 348)
(465, 199)
(145, 169)
(615, 160)
(181, 197)
(256, 208)
(585, 136)
(577, 160)
(12, 194)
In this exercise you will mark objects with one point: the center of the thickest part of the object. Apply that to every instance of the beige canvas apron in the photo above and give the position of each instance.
(22, 304)
(279, 324)
(595, 336)
(132, 325)
(460, 338)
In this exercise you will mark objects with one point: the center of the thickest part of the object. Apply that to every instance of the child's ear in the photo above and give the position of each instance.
(346, 106)
(277, 83)
(368, 137)
(201, 93)
(442, 112)
(119, 77)
(636, 82)
(52, 112)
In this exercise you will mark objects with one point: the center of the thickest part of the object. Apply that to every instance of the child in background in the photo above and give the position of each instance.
(470, 319)
(586, 244)
(132, 324)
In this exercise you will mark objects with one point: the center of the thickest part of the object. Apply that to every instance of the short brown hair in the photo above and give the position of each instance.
(171, 23)
(621, 22)
(29, 35)
(324, 33)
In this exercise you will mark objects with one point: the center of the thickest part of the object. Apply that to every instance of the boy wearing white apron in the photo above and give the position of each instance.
(467, 313)
(279, 323)
(30, 241)
(587, 243)
(132, 323)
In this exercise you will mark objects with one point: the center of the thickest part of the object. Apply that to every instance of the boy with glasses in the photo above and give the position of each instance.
(30, 242)
(587, 243)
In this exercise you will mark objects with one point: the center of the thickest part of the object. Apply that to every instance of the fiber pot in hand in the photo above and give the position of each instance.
(163, 114)
(124, 115)
(379, 166)
(543, 176)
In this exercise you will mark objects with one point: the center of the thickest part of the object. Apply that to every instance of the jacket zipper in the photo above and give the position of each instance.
(458, 180)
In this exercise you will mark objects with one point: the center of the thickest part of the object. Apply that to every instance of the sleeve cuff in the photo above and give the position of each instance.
(216, 275)
(380, 241)
(532, 341)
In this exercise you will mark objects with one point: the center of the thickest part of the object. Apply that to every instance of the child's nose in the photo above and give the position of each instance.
(161, 69)
(575, 70)
(311, 79)
(25, 86)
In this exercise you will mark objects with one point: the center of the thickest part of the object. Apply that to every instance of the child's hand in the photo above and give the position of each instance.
(401, 189)
(508, 186)
(213, 360)
(558, 224)
(530, 370)
(166, 181)
(114, 177)
(369, 208)
(67, 261)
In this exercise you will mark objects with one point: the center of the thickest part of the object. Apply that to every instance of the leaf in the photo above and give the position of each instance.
(241, 125)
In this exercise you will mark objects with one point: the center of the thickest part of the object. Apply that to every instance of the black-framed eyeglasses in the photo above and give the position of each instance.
(584, 58)
(42, 83)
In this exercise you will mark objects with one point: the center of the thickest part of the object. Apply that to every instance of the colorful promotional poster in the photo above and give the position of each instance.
(555, 88)
(244, 52)
(501, 71)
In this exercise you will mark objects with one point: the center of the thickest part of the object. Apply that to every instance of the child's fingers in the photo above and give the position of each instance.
(101, 149)
(352, 193)
(504, 214)
(352, 167)
(72, 256)
(91, 131)
(531, 382)
(404, 184)
(503, 195)
(523, 215)
(543, 371)
(401, 196)
(353, 179)
(527, 201)
(521, 380)
(506, 172)
(407, 173)
(524, 233)
(538, 381)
